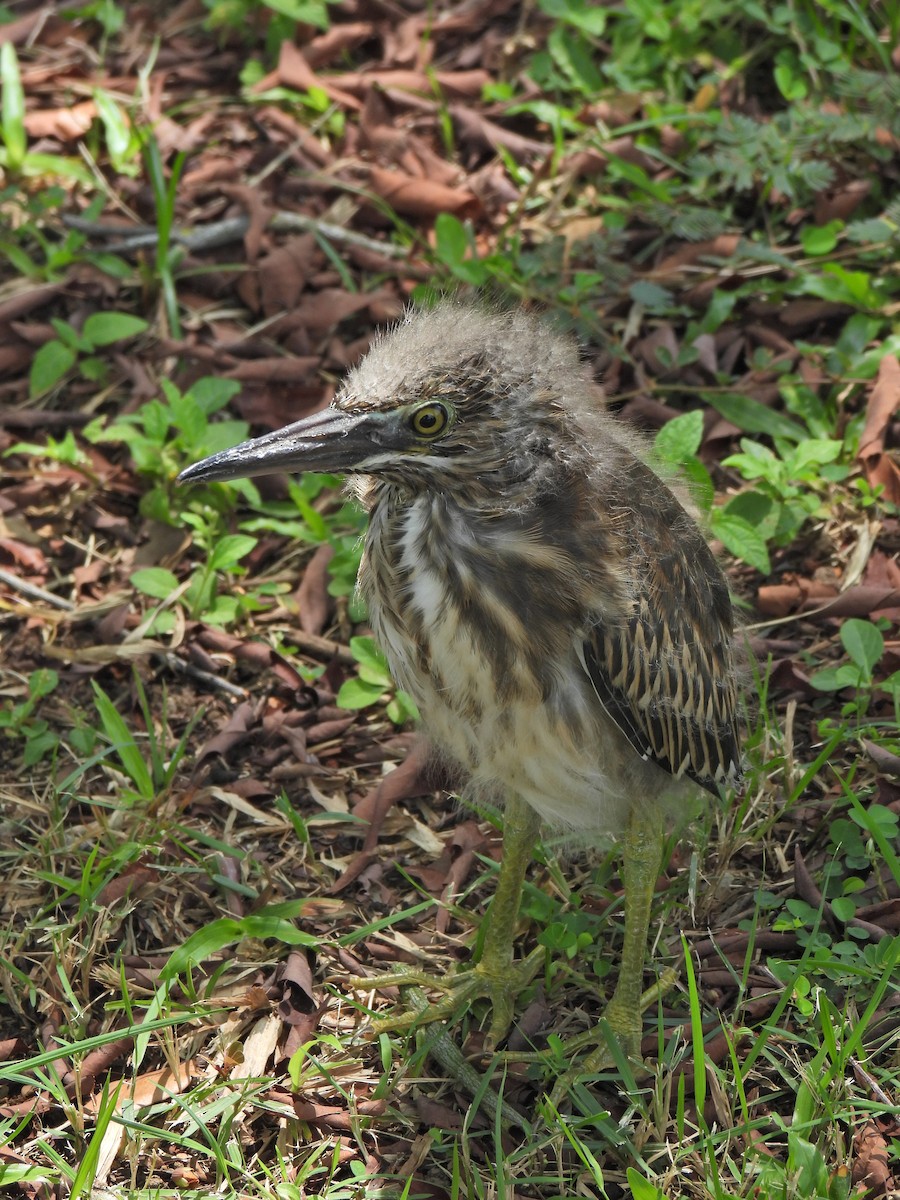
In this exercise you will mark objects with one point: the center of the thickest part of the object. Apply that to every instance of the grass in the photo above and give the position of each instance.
(185, 898)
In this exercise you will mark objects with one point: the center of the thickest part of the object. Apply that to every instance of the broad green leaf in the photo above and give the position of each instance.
(304, 12)
(70, 337)
(450, 238)
(864, 643)
(315, 521)
(38, 747)
(222, 611)
(402, 708)
(877, 816)
(680, 438)
(155, 581)
(102, 329)
(53, 165)
(584, 14)
(42, 682)
(229, 550)
(376, 676)
(455, 248)
(808, 1166)
(835, 679)
(23, 263)
(287, 529)
(741, 539)
(211, 394)
(813, 451)
(189, 419)
(820, 239)
(748, 414)
(228, 931)
(575, 57)
(355, 694)
(222, 435)
(791, 86)
(11, 1173)
(155, 419)
(52, 361)
(834, 282)
(720, 308)
(93, 368)
(701, 486)
(844, 908)
(162, 623)
(365, 650)
(753, 507)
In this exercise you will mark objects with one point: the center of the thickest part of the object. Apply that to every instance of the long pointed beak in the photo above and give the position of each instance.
(330, 440)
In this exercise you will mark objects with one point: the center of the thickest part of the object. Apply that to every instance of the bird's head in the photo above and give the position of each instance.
(448, 395)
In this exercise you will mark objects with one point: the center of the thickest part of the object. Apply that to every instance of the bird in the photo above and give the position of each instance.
(541, 590)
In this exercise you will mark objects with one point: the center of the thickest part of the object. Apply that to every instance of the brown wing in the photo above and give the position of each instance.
(664, 672)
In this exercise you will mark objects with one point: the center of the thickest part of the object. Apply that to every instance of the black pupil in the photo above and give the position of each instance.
(427, 420)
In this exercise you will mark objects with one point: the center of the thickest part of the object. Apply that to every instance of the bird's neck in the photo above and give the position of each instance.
(487, 493)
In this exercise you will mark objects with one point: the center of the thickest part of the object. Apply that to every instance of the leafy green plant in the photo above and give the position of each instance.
(279, 18)
(36, 245)
(792, 482)
(455, 248)
(864, 644)
(371, 682)
(66, 450)
(20, 721)
(804, 1173)
(164, 435)
(676, 446)
(57, 357)
(201, 594)
(109, 15)
(312, 514)
(789, 490)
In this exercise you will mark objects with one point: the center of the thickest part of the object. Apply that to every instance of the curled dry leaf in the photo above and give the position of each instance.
(420, 197)
(880, 465)
(871, 1164)
(62, 124)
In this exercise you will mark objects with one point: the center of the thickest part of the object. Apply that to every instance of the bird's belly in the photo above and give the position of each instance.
(526, 750)
(509, 737)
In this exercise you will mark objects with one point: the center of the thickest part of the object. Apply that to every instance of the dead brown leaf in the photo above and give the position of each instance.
(871, 1165)
(881, 466)
(420, 197)
(62, 124)
(313, 601)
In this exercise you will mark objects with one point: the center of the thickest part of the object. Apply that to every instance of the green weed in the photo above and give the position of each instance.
(21, 721)
(56, 358)
(372, 683)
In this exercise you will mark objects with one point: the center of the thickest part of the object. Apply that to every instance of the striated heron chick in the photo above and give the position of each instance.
(544, 596)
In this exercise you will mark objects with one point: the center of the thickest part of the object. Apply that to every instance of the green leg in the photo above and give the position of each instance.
(496, 976)
(641, 860)
(521, 825)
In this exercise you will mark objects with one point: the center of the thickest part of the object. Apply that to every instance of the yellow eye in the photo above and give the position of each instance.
(430, 420)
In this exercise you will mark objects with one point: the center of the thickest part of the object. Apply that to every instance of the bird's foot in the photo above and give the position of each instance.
(624, 1020)
(501, 983)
